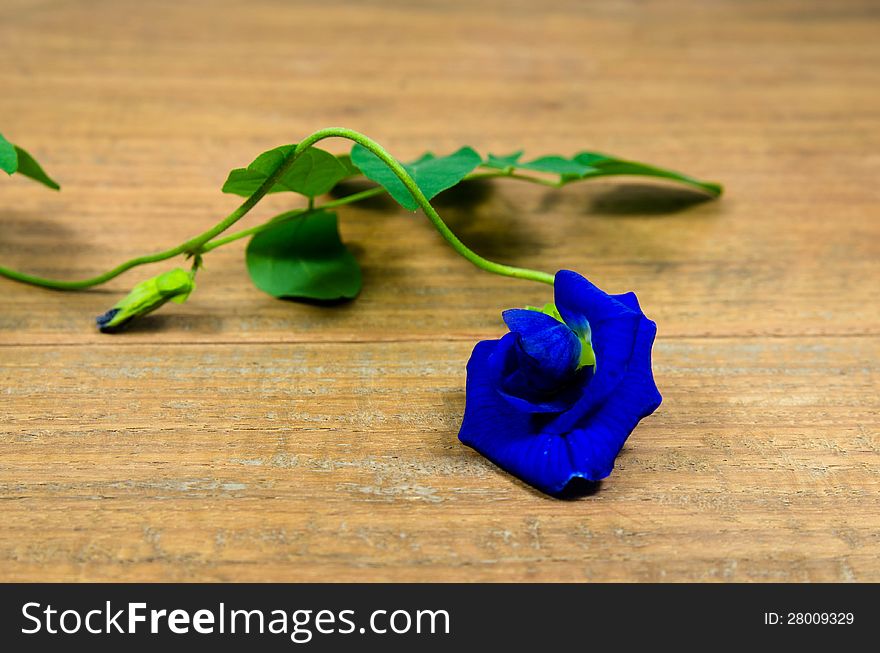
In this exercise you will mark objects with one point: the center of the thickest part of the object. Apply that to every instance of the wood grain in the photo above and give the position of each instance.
(241, 438)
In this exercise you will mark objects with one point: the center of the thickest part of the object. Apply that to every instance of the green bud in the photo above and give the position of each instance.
(146, 297)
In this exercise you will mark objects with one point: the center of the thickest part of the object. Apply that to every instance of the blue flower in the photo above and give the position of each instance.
(555, 399)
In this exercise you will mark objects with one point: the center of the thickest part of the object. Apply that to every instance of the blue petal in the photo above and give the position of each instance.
(580, 302)
(552, 349)
(526, 322)
(510, 438)
(594, 444)
(614, 325)
(516, 385)
(629, 299)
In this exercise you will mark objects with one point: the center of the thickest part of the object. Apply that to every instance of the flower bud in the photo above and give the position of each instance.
(147, 296)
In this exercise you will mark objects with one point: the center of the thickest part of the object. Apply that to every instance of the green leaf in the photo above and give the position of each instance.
(315, 172)
(303, 258)
(592, 158)
(16, 159)
(507, 162)
(351, 170)
(557, 165)
(432, 174)
(29, 167)
(586, 165)
(602, 165)
(8, 156)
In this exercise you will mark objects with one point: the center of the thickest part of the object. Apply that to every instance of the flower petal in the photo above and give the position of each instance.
(509, 438)
(580, 302)
(614, 321)
(629, 299)
(515, 384)
(552, 349)
(594, 445)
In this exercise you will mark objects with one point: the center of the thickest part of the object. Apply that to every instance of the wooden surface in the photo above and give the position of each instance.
(238, 437)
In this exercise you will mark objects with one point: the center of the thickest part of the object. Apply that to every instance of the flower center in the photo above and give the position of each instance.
(583, 333)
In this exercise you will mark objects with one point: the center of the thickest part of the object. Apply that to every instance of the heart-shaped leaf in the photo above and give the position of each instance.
(16, 159)
(432, 174)
(314, 172)
(303, 258)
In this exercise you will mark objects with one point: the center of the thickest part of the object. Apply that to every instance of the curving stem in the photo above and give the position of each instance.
(201, 243)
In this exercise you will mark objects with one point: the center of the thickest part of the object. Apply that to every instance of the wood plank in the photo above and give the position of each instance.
(238, 437)
(341, 461)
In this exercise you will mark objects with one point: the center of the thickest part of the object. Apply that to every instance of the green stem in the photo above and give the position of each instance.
(513, 175)
(289, 215)
(191, 246)
(356, 197)
(201, 243)
(422, 201)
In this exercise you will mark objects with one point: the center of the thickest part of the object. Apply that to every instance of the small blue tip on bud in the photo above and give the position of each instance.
(146, 297)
